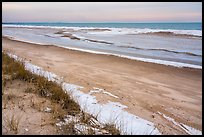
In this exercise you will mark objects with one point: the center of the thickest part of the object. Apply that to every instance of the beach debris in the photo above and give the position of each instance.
(26, 129)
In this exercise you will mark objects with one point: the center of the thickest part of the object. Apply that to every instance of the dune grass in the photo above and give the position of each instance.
(13, 123)
(14, 70)
(45, 88)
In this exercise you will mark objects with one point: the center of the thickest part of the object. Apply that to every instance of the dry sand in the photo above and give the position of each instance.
(146, 88)
(27, 109)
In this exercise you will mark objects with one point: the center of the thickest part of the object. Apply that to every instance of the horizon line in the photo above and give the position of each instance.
(104, 22)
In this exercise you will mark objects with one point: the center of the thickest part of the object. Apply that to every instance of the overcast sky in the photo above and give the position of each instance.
(101, 12)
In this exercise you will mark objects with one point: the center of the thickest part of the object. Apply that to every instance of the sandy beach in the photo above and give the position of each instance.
(149, 90)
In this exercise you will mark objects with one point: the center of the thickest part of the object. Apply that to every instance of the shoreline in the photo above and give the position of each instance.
(148, 60)
(146, 88)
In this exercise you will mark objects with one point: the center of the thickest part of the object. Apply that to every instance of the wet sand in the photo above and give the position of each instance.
(146, 88)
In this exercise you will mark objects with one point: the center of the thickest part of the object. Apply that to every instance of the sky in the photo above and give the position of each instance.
(102, 12)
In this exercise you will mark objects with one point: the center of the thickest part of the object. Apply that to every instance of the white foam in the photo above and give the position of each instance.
(49, 27)
(157, 61)
(117, 31)
(110, 113)
(113, 31)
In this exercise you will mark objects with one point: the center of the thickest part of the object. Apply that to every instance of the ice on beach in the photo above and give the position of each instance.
(117, 50)
(192, 131)
(187, 129)
(98, 90)
(113, 113)
(157, 61)
(108, 93)
(109, 113)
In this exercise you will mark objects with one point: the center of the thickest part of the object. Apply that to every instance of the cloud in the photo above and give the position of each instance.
(101, 11)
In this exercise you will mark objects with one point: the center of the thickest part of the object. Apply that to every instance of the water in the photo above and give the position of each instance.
(177, 26)
(177, 44)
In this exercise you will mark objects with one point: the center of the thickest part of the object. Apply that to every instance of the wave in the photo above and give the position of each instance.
(76, 37)
(98, 41)
(69, 35)
(166, 50)
(133, 31)
(49, 36)
(168, 33)
(115, 31)
(91, 29)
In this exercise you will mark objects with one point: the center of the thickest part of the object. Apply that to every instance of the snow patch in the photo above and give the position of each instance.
(99, 90)
(187, 129)
(192, 131)
(110, 113)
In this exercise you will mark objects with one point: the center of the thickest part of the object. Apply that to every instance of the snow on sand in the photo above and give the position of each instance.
(110, 113)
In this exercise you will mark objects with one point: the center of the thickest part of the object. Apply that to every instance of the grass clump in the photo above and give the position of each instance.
(51, 90)
(13, 123)
(111, 129)
(28, 90)
(85, 118)
(58, 112)
(10, 97)
(45, 88)
(69, 129)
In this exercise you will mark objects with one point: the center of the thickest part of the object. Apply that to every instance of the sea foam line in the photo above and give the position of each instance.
(109, 113)
(113, 30)
(156, 61)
